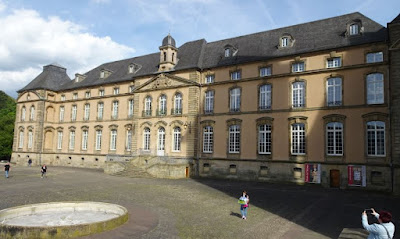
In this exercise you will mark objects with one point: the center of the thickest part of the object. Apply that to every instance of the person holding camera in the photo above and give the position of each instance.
(383, 230)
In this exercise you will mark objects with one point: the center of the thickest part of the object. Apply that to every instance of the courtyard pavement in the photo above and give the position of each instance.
(200, 208)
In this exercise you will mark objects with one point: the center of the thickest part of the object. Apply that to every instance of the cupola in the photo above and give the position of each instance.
(168, 54)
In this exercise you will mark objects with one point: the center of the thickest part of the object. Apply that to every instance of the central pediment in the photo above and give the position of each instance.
(165, 81)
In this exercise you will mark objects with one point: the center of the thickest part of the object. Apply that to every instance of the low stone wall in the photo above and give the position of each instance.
(114, 167)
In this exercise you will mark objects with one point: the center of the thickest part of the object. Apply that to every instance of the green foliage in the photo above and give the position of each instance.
(7, 119)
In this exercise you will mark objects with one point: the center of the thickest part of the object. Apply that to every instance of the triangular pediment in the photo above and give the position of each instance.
(165, 81)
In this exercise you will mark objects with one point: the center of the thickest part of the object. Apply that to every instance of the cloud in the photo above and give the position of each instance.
(100, 1)
(30, 41)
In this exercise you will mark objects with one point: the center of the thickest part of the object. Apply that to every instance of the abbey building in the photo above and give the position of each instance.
(310, 103)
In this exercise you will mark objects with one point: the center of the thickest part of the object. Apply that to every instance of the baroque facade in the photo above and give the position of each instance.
(305, 103)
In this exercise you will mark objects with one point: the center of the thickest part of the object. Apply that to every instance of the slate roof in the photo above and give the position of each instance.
(319, 35)
(396, 20)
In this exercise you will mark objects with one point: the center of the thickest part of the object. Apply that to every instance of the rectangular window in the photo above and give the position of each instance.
(72, 140)
(265, 97)
(298, 137)
(234, 100)
(62, 110)
(32, 116)
(30, 139)
(116, 91)
(130, 108)
(334, 62)
(298, 67)
(376, 138)
(298, 94)
(87, 112)
(98, 139)
(236, 75)
(115, 110)
(23, 113)
(113, 140)
(59, 139)
(234, 139)
(100, 110)
(208, 139)
(177, 140)
(131, 88)
(209, 102)
(73, 113)
(85, 136)
(334, 139)
(375, 57)
(375, 88)
(265, 71)
(101, 92)
(21, 139)
(354, 29)
(75, 96)
(63, 98)
(264, 139)
(209, 79)
(334, 92)
(87, 94)
(284, 41)
(146, 139)
(128, 142)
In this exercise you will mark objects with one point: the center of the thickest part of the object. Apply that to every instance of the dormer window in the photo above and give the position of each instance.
(227, 52)
(131, 68)
(286, 41)
(102, 74)
(354, 29)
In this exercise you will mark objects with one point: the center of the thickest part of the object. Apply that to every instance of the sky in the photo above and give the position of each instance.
(82, 34)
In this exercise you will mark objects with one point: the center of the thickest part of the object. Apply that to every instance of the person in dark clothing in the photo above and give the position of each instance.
(44, 170)
(30, 162)
(7, 169)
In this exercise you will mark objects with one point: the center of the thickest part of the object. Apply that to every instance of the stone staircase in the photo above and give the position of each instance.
(132, 171)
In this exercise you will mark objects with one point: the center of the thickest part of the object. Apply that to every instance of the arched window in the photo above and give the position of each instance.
(208, 139)
(334, 139)
(113, 140)
(30, 139)
(21, 139)
(147, 106)
(178, 103)
(85, 135)
(128, 141)
(165, 56)
(177, 140)
(99, 133)
(32, 116)
(162, 110)
(173, 55)
(146, 139)
(23, 113)
(161, 139)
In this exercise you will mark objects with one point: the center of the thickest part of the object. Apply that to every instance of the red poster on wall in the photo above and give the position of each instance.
(357, 175)
(313, 173)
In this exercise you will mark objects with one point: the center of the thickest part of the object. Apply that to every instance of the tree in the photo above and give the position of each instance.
(7, 120)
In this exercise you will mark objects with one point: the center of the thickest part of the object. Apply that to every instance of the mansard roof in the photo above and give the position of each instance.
(319, 35)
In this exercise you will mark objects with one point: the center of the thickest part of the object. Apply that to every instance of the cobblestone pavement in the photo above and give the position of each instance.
(199, 208)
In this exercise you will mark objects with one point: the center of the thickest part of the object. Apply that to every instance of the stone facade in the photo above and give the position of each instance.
(266, 119)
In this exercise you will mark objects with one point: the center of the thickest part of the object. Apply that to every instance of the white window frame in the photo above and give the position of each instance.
(147, 105)
(374, 57)
(161, 139)
(298, 94)
(334, 62)
(285, 41)
(162, 105)
(374, 132)
(85, 135)
(209, 102)
(71, 140)
(87, 112)
(32, 115)
(99, 134)
(298, 139)
(227, 52)
(234, 139)
(234, 102)
(116, 91)
(87, 94)
(298, 67)
(128, 141)
(62, 112)
(208, 139)
(354, 29)
(113, 139)
(75, 96)
(131, 88)
(130, 107)
(101, 92)
(63, 98)
(30, 139)
(209, 79)
(21, 139)
(334, 91)
(23, 113)
(177, 138)
(375, 88)
(334, 135)
(264, 139)
(59, 139)
(74, 111)
(265, 97)
(146, 139)
(178, 103)
(236, 75)
(265, 71)
(115, 106)
(100, 110)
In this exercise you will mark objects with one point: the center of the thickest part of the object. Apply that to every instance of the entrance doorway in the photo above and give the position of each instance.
(335, 178)
(187, 172)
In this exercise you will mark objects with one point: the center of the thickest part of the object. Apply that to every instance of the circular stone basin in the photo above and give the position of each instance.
(60, 219)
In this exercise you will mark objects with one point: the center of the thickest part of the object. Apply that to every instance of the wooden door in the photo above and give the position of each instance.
(335, 178)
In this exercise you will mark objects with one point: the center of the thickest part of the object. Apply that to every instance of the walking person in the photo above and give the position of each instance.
(44, 170)
(30, 162)
(383, 230)
(7, 168)
(244, 204)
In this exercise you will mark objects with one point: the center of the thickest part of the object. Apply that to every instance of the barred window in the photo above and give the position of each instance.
(376, 138)
(334, 139)
(208, 139)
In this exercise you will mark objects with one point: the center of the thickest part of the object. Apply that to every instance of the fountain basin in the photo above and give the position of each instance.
(60, 219)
